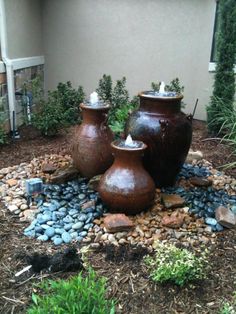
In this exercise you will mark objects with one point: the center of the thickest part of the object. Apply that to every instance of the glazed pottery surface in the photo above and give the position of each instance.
(167, 132)
(91, 149)
(127, 187)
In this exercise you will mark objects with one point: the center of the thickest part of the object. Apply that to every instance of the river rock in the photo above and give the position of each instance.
(225, 217)
(172, 200)
(48, 168)
(175, 220)
(64, 174)
(201, 182)
(117, 223)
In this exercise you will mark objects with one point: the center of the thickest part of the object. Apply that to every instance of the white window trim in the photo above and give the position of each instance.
(21, 63)
(212, 67)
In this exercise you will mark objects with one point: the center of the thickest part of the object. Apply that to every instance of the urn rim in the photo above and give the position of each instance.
(115, 143)
(144, 94)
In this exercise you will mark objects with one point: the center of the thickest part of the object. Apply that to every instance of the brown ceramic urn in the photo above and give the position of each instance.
(127, 187)
(167, 132)
(91, 148)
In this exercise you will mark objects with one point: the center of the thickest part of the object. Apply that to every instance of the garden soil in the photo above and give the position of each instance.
(127, 277)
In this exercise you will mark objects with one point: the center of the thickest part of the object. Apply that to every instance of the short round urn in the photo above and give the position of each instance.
(91, 148)
(167, 132)
(126, 187)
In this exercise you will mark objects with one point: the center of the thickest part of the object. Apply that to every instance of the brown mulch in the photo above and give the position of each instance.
(128, 280)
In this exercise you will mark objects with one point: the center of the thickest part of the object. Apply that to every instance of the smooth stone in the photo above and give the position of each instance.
(78, 225)
(12, 208)
(81, 196)
(68, 226)
(58, 241)
(211, 221)
(73, 212)
(52, 207)
(38, 229)
(50, 232)
(68, 219)
(88, 226)
(82, 217)
(66, 237)
(43, 238)
(74, 235)
(59, 230)
(79, 239)
(62, 209)
(50, 223)
(83, 234)
(29, 233)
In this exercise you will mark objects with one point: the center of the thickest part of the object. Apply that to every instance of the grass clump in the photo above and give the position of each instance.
(3, 135)
(176, 265)
(77, 295)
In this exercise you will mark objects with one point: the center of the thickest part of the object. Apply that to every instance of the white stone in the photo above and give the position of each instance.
(12, 208)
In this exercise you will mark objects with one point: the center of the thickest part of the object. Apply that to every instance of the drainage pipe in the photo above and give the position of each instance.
(9, 68)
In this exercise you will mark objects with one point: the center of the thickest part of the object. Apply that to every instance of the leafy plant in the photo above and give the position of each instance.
(224, 83)
(118, 98)
(3, 136)
(78, 295)
(60, 110)
(176, 265)
(104, 89)
(69, 98)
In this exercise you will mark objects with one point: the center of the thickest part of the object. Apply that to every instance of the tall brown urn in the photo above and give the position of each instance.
(91, 148)
(167, 132)
(127, 187)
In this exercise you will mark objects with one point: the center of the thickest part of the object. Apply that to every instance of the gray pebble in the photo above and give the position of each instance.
(66, 237)
(43, 237)
(50, 232)
(78, 225)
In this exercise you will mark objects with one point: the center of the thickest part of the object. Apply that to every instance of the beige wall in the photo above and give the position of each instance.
(144, 40)
(24, 28)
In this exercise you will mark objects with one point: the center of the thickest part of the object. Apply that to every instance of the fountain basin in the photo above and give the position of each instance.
(126, 187)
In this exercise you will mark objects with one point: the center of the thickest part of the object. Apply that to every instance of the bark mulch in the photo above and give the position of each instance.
(128, 279)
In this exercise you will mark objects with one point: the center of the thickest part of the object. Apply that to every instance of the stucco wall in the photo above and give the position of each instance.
(145, 41)
(24, 28)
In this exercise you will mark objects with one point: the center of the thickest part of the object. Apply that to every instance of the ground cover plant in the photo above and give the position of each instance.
(77, 295)
(229, 307)
(3, 136)
(173, 264)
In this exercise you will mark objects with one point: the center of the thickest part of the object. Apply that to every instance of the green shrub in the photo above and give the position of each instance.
(224, 83)
(173, 86)
(176, 265)
(77, 295)
(60, 110)
(118, 98)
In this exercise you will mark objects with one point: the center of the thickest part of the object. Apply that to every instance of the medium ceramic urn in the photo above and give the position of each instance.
(91, 148)
(167, 132)
(126, 187)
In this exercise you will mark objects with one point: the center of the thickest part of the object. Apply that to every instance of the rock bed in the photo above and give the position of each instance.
(73, 212)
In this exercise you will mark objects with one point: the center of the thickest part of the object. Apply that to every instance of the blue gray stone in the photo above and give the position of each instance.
(211, 221)
(78, 225)
(50, 232)
(43, 238)
(58, 241)
(66, 237)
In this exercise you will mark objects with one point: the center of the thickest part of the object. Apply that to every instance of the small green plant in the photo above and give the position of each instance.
(176, 265)
(77, 295)
(229, 307)
(104, 89)
(3, 136)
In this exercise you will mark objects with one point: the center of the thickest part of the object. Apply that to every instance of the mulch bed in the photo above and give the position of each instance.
(128, 280)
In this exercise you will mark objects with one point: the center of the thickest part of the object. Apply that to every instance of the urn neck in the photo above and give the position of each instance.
(128, 157)
(93, 115)
(162, 105)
